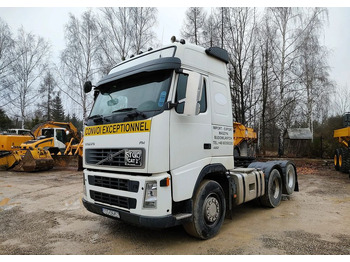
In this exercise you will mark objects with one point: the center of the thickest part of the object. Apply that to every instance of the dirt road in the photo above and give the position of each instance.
(42, 213)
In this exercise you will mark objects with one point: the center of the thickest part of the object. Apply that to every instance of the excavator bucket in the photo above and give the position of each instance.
(68, 161)
(35, 160)
(8, 159)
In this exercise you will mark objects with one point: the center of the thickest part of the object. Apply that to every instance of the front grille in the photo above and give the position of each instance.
(105, 157)
(119, 201)
(114, 183)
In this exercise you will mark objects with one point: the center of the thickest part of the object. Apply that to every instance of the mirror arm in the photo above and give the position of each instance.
(169, 105)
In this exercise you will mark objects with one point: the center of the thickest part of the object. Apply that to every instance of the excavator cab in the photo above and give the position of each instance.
(59, 139)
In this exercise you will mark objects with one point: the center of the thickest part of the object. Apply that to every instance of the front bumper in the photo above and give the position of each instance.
(145, 221)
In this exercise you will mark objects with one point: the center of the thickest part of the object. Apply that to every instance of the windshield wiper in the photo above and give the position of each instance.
(135, 112)
(124, 109)
(97, 118)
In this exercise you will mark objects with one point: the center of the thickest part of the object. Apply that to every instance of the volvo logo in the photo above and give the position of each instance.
(110, 157)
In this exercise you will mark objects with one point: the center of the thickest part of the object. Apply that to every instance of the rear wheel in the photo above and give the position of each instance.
(290, 179)
(209, 209)
(345, 161)
(236, 152)
(273, 194)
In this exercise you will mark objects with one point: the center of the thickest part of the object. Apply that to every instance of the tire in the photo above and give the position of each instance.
(243, 148)
(236, 152)
(340, 159)
(290, 179)
(348, 162)
(273, 194)
(209, 208)
(345, 161)
(336, 159)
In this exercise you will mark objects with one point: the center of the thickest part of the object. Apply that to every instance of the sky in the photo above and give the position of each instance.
(47, 19)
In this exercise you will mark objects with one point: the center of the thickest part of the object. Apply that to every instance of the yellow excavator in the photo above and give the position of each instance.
(50, 144)
(243, 149)
(342, 154)
(243, 137)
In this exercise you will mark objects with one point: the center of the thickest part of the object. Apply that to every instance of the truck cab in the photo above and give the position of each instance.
(158, 144)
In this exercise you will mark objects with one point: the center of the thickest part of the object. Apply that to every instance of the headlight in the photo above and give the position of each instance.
(150, 200)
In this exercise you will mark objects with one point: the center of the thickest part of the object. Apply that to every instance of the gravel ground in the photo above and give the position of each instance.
(42, 213)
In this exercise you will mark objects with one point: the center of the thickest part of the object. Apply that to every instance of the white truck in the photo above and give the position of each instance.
(158, 144)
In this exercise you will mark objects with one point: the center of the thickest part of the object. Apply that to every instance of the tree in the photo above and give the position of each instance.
(57, 113)
(77, 123)
(291, 26)
(7, 58)
(79, 58)
(115, 38)
(5, 121)
(36, 118)
(241, 45)
(266, 35)
(314, 70)
(341, 101)
(143, 21)
(32, 53)
(193, 26)
(124, 30)
(47, 92)
(215, 27)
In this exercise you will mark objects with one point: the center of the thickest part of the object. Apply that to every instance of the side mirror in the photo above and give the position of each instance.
(193, 93)
(87, 87)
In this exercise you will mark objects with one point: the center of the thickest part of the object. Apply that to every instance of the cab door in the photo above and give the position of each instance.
(59, 138)
(190, 135)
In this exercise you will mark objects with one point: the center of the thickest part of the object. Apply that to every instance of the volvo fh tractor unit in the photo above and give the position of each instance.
(159, 144)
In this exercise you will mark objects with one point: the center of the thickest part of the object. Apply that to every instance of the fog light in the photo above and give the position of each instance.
(150, 200)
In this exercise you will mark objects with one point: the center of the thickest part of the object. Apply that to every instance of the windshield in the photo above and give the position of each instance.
(144, 92)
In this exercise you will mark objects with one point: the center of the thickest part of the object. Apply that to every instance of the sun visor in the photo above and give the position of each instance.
(149, 66)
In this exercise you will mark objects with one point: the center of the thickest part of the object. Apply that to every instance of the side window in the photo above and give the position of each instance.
(59, 135)
(181, 94)
(203, 101)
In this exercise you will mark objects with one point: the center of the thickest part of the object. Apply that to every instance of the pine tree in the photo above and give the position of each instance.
(47, 92)
(57, 112)
(76, 122)
(5, 122)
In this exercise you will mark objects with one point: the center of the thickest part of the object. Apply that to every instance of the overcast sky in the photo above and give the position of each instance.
(48, 22)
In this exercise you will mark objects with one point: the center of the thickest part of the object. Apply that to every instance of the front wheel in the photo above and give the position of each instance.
(209, 209)
(336, 159)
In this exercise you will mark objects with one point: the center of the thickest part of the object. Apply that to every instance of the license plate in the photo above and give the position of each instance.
(110, 212)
